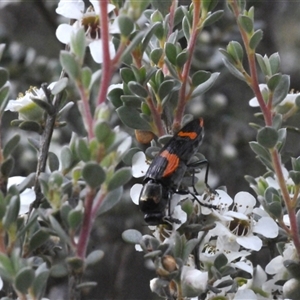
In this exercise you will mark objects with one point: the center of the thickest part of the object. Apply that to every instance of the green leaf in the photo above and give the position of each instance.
(156, 55)
(295, 175)
(7, 267)
(2, 47)
(2, 205)
(233, 70)
(133, 44)
(59, 86)
(162, 6)
(86, 77)
(137, 89)
(246, 23)
(186, 27)
(59, 231)
(24, 279)
(44, 105)
(260, 151)
(277, 121)
(235, 50)
(31, 126)
(188, 248)
(93, 174)
(274, 81)
(255, 39)
(83, 150)
(102, 131)
(70, 64)
(262, 64)
(131, 118)
(132, 101)
(78, 44)
(4, 91)
(296, 163)
(7, 167)
(156, 16)
(205, 86)
(11, 145)
(53, 162)
(94, 257)
(127, 75)
(281, 90)
(132, 236)
(111, 199)
(126, 25)
(220, 261)
(156, 29)
(182, 58)
(66, 158)
(59, 271)
(213, 17)
(75, 218)
(267, 137)
(209, 5)
(3, 77)
(165, 88)
(114, 96)
(200, 77)
(39, 238)
(120, 178)
(274, 61)
(95, 78)
(171, 53)
(40, 281)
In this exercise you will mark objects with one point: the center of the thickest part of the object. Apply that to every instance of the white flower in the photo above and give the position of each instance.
(139, 164)
(242, 226)
(89, 20)
(26, 197)
(276, 267)
(288, 101)
(193, 281)
(27, 109)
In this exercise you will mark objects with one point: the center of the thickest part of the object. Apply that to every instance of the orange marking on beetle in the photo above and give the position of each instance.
(192, 134)
(173, 162)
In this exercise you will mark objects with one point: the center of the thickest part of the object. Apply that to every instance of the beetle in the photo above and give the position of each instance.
(167, 170)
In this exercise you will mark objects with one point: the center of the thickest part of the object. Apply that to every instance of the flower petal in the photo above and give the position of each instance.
(139, 165)
(244, 202)
(72, 9)
(250, 242)
(266, 227)
(135, 192)
(97, 53)
(96, 5)
(63, 33)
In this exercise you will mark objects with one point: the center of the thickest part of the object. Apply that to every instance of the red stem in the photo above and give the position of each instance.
(185, 73)
(106, 64)
(86, 225)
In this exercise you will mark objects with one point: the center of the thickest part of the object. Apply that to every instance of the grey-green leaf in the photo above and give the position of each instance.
(24, 279)
(38, 239)
(132, 236)
(70, 64)
(131, 118)
(267, 137)
(60, 85)
(93, 174)
(94, 257)
(11, 145)
(120, 178)
(110, 200)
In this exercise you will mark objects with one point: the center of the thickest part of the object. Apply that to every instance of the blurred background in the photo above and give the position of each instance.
(31, 57)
